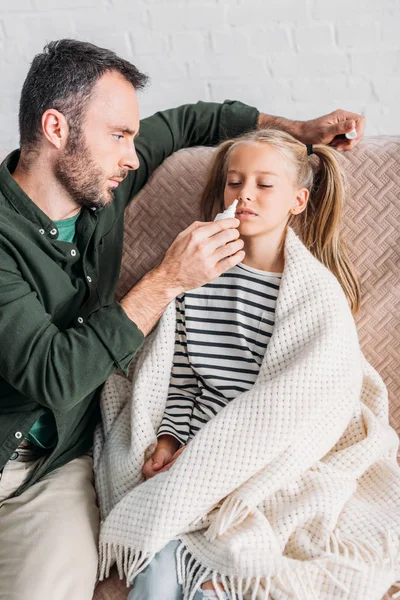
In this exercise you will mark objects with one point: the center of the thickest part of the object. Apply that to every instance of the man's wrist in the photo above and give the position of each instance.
(295, 128)
(147, 300)
(164, 281)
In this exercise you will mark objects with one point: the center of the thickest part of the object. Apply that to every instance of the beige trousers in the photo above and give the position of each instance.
(48, 534)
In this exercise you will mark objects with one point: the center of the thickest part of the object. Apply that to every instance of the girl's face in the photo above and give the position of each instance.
(261, 179)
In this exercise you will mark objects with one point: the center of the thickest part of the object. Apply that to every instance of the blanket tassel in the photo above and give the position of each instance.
(232, 512)
(191, 575)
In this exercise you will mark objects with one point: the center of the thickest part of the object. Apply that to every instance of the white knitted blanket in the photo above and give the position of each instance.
(292, 491)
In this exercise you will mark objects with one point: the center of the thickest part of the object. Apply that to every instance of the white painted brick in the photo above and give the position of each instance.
(16, 5)
(337, 91)
(63, 4)
(272, 39)
(230, 42)
(255, 40)
(387, 89)
(375, 63)
(279, 55)
(390, 34)
(195, 45)
(256, 12)
(161, 69)
(285, 64)
(105, 21)
(358, 35)
(315, 37)
(341, 10)
(225, 66)
(120, 43)
(144, 43)
(164, 95)
(263, 94)
(174, 16)
(382, 120)
(26, 36)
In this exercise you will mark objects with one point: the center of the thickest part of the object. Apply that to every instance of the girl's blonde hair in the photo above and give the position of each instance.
(318, 226)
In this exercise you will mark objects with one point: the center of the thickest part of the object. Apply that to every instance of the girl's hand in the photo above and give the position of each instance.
(173, 459)
(162, 455)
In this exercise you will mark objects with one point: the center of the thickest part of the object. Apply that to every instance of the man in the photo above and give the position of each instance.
(62, 199)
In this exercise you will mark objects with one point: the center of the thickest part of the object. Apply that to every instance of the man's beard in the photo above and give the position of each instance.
(81, 177)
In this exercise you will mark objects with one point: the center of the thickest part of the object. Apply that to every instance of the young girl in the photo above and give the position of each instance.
(279, 424)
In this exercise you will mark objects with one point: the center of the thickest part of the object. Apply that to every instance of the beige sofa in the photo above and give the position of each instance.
(169, 202)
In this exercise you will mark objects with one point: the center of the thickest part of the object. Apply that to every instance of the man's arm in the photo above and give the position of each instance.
(328, 129)
(59, 368)
(56, 368)
(208, 123)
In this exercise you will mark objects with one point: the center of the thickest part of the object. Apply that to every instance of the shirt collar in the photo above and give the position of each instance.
(19, 200)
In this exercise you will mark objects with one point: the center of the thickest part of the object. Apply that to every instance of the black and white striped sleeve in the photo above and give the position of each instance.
(183, 388)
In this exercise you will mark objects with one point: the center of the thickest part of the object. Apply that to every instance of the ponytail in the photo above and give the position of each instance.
(319, 225)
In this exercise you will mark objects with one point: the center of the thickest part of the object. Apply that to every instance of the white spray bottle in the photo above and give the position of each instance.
(229, 213)
(351, 134)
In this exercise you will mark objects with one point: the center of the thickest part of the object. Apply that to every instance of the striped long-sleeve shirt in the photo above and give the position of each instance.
(222, 331)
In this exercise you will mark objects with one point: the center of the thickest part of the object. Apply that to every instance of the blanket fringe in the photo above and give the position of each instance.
(129, 562)
(349, 548)
(232, 512)
(192, 574)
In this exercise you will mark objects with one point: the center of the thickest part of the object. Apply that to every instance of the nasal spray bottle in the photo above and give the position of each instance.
(229, 213)
(351, 134)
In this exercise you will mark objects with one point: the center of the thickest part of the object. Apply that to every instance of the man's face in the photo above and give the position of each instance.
(99, 155)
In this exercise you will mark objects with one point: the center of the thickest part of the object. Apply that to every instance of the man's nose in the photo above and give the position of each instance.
(130, 160)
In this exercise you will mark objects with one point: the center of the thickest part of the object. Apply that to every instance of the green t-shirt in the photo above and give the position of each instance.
(43, 432)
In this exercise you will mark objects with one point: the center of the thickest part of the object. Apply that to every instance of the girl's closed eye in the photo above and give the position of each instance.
(264, 185)
(233, 183)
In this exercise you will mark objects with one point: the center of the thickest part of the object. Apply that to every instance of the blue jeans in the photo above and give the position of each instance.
(159, 580)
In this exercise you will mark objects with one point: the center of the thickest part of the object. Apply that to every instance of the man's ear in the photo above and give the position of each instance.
(300, 203)
(55, 128)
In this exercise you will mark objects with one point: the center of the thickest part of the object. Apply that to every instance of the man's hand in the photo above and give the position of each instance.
(199, 254)
(164, 453)
(328, 129)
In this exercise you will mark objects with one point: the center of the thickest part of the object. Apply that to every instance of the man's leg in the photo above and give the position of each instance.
(48, 535)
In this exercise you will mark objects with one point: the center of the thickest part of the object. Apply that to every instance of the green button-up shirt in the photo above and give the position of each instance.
(61, 331)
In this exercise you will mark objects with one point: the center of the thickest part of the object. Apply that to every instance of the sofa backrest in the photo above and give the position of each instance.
(170, 202)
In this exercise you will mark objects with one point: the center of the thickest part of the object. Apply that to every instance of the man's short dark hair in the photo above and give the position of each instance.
(63, 77)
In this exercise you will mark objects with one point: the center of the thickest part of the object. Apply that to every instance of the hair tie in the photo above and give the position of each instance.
(309, 149)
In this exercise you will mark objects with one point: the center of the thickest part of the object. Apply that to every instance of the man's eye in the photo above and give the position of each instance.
(117, 136)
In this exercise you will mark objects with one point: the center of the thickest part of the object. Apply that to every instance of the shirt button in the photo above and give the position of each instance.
(80, 320)
(53, 231)
(73, 252)
(41, 231)
(89, 279)
(18, 435)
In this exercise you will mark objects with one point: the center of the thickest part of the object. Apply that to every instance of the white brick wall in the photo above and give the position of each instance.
(296, 58)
